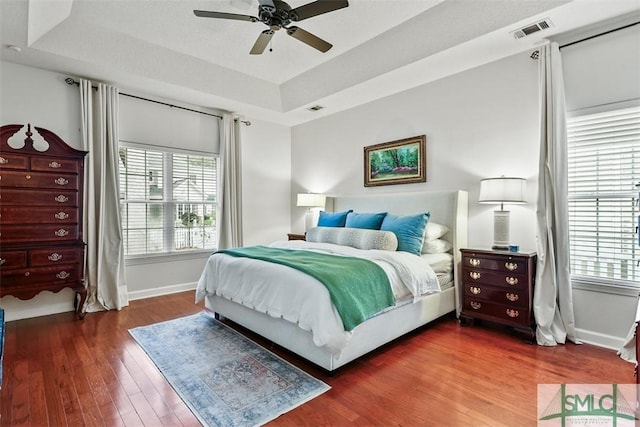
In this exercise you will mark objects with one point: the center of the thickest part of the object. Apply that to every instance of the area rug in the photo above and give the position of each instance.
(222, 376)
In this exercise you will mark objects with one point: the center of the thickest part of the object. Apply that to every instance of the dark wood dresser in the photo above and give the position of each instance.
(498, 287)
(41, 195)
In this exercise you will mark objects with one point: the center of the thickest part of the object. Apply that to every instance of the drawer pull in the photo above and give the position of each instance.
(511, 280)
(2, 261)
(512, 297)
(474, 262)
(61, 215)
(55, 257)
(61, 181)
(63, 275)
(474, 275)
(27, 274)
(61, 233)
(475, 305)
(55, 165)
(61, 198)
(3, 161)
(28, 176)
(512, 313)
(475, 290)
(511, 266)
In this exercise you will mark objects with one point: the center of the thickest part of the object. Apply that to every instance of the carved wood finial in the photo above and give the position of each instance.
(28, 139)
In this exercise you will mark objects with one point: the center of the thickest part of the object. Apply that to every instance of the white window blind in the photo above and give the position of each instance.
(168, 201)
(603, 170)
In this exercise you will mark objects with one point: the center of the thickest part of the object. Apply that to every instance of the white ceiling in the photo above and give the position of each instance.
(380, 47)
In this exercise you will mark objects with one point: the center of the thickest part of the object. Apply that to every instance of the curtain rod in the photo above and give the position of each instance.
(71, 81)
(600, 34)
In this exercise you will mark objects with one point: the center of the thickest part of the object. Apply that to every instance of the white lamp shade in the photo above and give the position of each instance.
(502, 190)
(311, 200)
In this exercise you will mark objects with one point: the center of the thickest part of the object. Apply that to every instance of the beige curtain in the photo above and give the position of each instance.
(553, 299)
(104, 265)
(229, 223)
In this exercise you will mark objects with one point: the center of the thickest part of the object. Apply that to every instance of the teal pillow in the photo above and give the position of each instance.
(371, 221)
(408, 229)
(333, 219)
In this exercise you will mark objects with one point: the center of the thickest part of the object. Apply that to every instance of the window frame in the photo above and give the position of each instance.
(168, 202)
(599, 283)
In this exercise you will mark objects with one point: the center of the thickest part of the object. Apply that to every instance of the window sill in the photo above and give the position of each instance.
(175, 256)
(605, 288)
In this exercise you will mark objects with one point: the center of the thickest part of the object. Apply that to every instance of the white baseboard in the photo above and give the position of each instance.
(47, 303)
(164, 290)
(600, 340)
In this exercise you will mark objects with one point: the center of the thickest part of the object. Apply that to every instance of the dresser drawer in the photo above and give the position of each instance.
(13, 259)
(43, 233)
(497, 312)
(37, 275)
(13, 161)
(495, 278)
(508, 264)
(61, 215)
(38, 180)
(54, 165)
(55, 256)
(38, 198)
(499, 295)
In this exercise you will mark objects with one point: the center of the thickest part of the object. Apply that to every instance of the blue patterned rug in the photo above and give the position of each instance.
(223, 377)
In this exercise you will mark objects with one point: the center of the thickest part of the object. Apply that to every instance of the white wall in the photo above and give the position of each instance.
(480, 123)
(44, 99)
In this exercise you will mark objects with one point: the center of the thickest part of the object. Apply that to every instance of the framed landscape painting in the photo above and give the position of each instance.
(396, 162)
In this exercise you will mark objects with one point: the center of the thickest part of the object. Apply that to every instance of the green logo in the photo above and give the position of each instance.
(587, 404)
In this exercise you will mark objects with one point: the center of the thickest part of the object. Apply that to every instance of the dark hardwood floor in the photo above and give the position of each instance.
(60, 371)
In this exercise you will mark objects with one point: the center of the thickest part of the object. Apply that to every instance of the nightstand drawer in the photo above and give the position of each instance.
(495, 278)
(497, 312)
(508, 263)
(497, 295)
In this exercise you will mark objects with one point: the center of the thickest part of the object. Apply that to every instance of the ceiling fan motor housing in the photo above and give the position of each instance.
(276, 16)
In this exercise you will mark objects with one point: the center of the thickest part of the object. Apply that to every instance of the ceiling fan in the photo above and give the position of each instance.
(277, 14)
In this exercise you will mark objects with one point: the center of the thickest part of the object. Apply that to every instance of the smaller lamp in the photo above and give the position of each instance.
(311, 201)
(502, 190)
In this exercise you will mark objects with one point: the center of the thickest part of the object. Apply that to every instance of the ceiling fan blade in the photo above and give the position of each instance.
(308, 38)
(316, 8)
(261, 43)
(223, 15)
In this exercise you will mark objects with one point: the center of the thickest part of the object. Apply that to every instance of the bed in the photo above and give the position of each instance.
(448, 208)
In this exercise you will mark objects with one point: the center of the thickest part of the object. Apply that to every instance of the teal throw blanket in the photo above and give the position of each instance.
(359, 288)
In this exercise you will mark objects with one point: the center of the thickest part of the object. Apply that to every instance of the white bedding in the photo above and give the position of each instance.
(280, 291)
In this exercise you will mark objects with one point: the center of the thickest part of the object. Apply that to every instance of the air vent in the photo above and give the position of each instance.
(533, 28)
(315, 108)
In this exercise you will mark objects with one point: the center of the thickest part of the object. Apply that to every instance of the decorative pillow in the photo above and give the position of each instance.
(355, 237)
(434, 231)
(337, 219)
(408, 229)
(372, 221)
(436, 246)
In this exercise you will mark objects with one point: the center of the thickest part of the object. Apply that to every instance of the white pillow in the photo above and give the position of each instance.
(441, 263)
(359, 238)
(436, 246)
(434, 231)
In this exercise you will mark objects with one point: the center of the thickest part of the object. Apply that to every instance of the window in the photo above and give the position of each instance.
(604, 168)
(168, 201)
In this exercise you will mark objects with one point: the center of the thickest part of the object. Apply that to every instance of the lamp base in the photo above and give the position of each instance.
(499, 248)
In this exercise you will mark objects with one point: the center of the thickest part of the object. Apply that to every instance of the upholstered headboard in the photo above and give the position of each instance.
(448, 208)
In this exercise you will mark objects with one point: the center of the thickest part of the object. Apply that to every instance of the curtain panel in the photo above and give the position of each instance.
(104, 264)
(553, 299)
(229, 223)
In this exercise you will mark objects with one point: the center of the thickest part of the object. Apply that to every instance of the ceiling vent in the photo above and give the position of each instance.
(315, 108)
(533, 28)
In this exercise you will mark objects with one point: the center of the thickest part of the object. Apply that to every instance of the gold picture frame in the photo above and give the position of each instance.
(396, 162)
